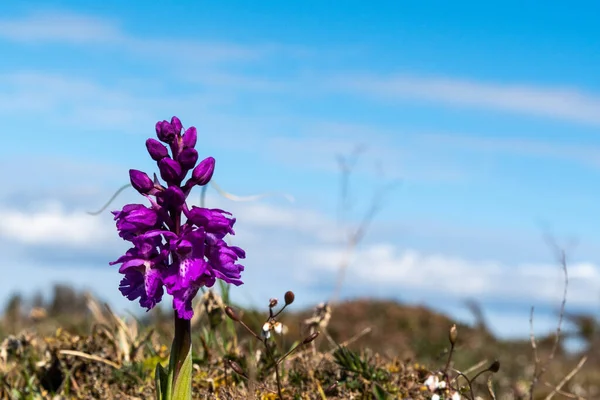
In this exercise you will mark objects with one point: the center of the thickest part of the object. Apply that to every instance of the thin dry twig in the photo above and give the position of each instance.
(474, 367)
(218, 188)
(355, 236)
(565, 394)
(540, 368)
(567, 378)
(536, 357)
(114, 196)
(490, 388)
(89, 357)
(353, 339)
(254, 197)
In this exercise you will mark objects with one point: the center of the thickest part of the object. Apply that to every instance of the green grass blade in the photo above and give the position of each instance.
(182, 389)
(161, 378)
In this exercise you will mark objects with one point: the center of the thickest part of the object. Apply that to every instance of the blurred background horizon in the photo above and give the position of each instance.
(486, 120)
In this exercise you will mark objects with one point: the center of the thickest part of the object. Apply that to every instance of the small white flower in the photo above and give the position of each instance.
(442, 385)
(435, 397)
(266, 330)
(432, 382)
(278, 328)
(455, 396)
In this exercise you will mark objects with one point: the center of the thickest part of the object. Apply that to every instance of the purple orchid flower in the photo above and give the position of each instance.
(170, 254)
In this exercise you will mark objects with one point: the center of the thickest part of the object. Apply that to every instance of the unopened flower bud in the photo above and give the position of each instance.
(170, 170)
(176, 124)
(173, 197)
(140, 181)
(236, 367)
(289, 297)
(310, 338)
(203, 172)
(165, 132)
(494, 367)
(453, 334)
(231, 313)
(156, 149)
(272, 303)
(189, 137)
(188, 158)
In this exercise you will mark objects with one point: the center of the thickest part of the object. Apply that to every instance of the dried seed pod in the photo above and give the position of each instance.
(310, 338)
(236, 367)
(289, 297)
(331, 390)
(494, 367)
(453, 334)
(231, 314)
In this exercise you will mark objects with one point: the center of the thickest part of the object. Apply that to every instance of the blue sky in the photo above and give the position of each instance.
(489, 119)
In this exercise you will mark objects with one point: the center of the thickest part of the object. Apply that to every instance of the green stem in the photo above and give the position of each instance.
(181, 343)
(183, 328)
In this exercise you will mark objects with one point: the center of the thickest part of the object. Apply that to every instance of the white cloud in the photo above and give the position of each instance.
(552, 102)
(80, 29)
(565, 103)
(307, 222)
(59, 27)
(51, 224)
(306, 240)
(78, 102)
(583, 153)
(294, 248)
(390, 268)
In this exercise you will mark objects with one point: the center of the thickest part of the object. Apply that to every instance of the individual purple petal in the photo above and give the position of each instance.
(189, 137)
(172, 279)
(212, 220)
(144, 255)
(154, 236)
(170, 171)
(190, 263)
(156, 149)
(182, 302)
(223, 260)
(147, 287)
(153, 288)
(188, 158)
(140, 181)
(182, 247)
(190, 271)
(142, 270)
(136, 219)
(132, 285)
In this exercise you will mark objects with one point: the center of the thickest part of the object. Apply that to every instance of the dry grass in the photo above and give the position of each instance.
(365, 350)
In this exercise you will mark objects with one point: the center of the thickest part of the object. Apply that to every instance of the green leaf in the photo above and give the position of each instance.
(161, 378)
(182, 389)
(379, 392)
